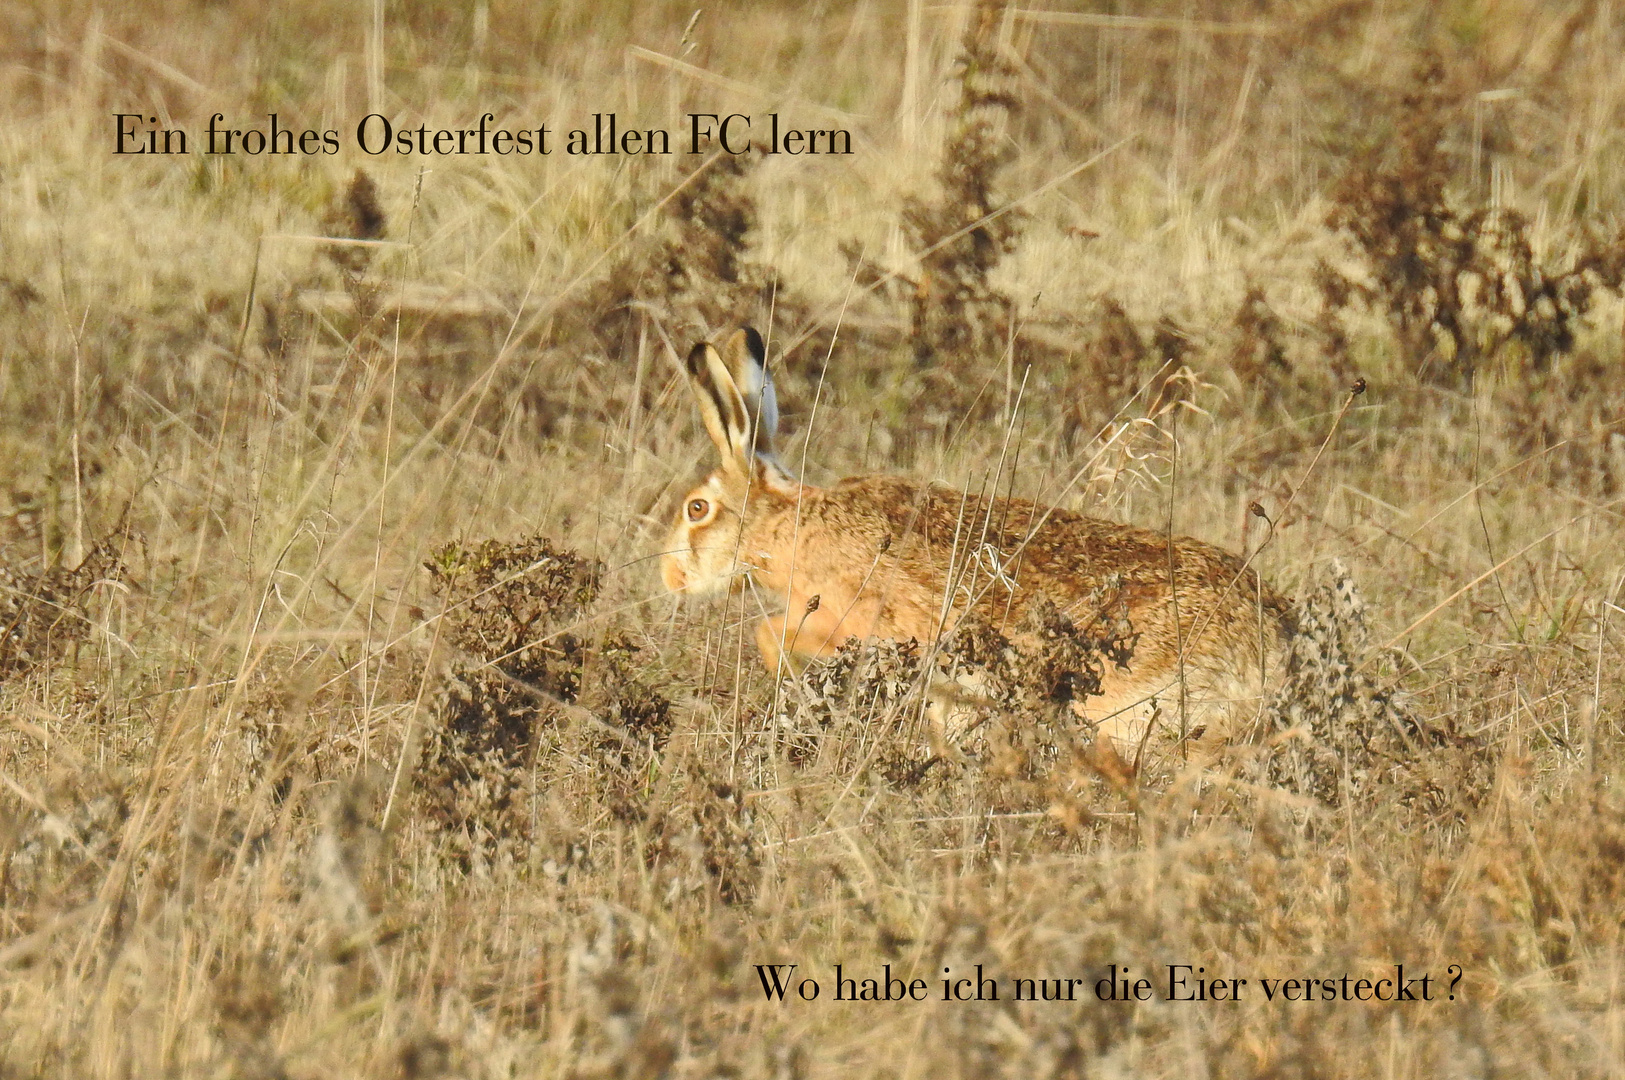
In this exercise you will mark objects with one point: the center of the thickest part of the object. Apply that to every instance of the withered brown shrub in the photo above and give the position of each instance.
(355, 215)
(1258, 354)
(515, 664)
(527, 688)
(1459, 282)
(1335, 734)
(293, 309)
(1107, 373)
(44, 614)
(956, 313)
(1568, 416)
(864, 688)
(696, 272)
(706, 837)
(54, 852)
(618, 690)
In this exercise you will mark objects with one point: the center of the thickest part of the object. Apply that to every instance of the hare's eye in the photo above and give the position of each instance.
(697, 509)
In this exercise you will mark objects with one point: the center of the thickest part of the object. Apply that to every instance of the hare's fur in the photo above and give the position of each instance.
(887, 557)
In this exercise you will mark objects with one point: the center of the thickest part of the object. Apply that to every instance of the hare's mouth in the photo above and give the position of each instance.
(709, 588)
(692, 581)
(672, 576)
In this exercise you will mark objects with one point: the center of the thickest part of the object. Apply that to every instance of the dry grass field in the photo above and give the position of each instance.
(347, 730)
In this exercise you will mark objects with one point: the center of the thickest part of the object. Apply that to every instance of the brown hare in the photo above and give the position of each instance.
(888, 557)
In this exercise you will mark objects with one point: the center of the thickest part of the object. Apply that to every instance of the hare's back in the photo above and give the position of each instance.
(934, 531)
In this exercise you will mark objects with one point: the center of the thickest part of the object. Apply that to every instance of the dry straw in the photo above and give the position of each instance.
(279, 800)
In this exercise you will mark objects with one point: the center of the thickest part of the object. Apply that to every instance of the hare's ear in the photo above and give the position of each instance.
(722, 407)
(746, 358)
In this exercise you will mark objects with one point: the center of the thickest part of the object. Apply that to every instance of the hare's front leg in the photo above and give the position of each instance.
(810, 634)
